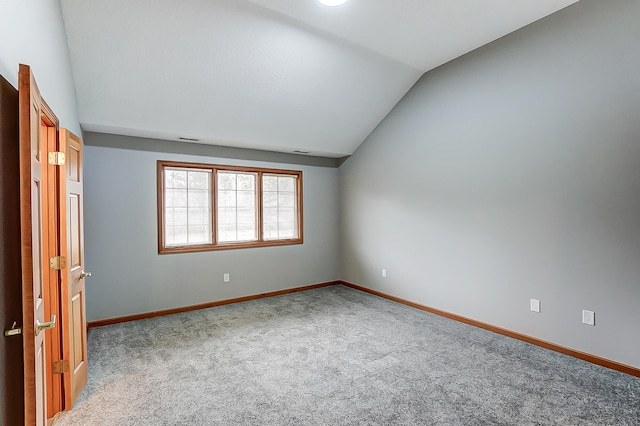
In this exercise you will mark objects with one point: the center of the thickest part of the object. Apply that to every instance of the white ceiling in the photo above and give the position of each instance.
(279, 75)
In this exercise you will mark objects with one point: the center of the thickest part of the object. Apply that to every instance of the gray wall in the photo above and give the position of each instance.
(513, 173)
(129, 276)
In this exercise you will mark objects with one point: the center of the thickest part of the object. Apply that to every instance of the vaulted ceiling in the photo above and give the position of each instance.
(280, 75)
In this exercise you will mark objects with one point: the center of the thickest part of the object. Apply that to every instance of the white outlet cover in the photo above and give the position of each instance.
(384, 273)
(226, 278)
(588, 317)
(535, 305)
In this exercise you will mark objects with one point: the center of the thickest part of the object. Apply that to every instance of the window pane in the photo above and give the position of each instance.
(168, 234)
(198, 198)
(180, 198)
(199, 180)
(270, 231)
(237, 214)
(279, 214)
(246, 182)
(198, 217)
(246, 216)
(227, 181)
(246, 199)
(270, 215)
(285, 230)
(269, 183)
(180, 235)
(285, 215)
(226, 198)
(198, 234)
(180, 216)
(168, 216)
(286, 199)
(270, 199)
(187, 200)
(246, 232)
(175, 178)
(286, 183)
(226, 216)
(168, 198)
(226, 233)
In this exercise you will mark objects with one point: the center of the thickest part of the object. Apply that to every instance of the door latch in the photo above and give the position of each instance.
(14, 331)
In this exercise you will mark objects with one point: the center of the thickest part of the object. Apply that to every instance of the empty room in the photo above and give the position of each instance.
(319, 212)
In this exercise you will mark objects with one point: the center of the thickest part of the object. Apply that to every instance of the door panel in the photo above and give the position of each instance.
(74, 231)
(76, 337)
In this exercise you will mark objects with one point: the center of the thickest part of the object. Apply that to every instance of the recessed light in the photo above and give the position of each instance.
(333, 2)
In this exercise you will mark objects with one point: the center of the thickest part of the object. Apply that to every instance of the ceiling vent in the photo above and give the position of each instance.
(188, 139)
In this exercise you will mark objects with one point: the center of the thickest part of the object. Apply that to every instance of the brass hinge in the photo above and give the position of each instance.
(61, 366)
(56, 158)
(58, 262)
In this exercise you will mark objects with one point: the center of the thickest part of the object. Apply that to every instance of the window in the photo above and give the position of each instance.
(209, 207)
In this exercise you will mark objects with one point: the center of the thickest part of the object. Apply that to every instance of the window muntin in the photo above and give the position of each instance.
(210, 207)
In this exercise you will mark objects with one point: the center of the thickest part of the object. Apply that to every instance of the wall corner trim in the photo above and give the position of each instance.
(603, 362)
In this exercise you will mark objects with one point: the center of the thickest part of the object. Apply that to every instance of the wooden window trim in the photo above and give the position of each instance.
(214, 168)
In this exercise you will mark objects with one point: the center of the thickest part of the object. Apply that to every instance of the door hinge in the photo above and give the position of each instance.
(56, 158)
(60, 367)
(58, 262)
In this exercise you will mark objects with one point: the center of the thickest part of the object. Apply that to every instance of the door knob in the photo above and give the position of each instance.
(84, 274)
(45, 325)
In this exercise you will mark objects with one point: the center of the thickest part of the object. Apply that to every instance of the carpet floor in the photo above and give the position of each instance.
(336, 356)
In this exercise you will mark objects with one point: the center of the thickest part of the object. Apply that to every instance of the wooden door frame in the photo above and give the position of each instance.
(56, 276)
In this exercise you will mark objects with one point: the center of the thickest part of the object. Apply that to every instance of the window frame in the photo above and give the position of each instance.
(213, 190)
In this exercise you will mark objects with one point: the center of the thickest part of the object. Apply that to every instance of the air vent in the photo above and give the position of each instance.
(301, 152)
(188, 139)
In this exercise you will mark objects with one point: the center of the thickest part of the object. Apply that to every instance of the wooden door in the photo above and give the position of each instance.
(11, 405)
(36, 250)
(75, 327)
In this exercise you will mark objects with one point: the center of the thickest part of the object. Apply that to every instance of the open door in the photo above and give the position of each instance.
(73, 289)
(39, 264)
(11, 392)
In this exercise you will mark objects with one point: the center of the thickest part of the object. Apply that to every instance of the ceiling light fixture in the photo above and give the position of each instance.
(333, 2)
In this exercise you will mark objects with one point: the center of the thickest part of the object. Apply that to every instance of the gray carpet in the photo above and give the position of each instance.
(337, 356)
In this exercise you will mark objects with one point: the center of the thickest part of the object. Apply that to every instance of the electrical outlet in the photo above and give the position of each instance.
(535, 305)
(226, 278)
(588, 317)
(384, 273)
